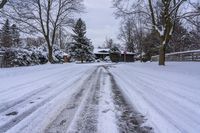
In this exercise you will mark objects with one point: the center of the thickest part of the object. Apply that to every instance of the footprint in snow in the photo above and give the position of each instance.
(105, 111)
(12, 113)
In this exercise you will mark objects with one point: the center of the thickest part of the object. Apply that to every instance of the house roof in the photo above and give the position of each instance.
(101, 51)
(65, 54)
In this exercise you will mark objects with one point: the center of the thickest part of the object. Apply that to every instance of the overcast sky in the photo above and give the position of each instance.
(100, 21)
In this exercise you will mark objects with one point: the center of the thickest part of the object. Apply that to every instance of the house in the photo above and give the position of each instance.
(101, 54)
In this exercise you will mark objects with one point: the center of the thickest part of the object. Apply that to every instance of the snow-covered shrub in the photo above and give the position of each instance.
(58, 55)
(23, 57)
(107, 59)
(28, 56)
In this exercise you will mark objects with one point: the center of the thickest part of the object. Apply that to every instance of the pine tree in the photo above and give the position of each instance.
(150, 44)
(81, 48)
(6, 37)
(15, 35)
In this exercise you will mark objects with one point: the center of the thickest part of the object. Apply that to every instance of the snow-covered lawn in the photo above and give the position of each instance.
(168, 96)
(72, 97)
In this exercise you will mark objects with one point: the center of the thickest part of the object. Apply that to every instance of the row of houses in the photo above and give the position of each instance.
(102, 54)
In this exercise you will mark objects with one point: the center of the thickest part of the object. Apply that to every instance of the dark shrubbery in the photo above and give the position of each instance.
(115, 54)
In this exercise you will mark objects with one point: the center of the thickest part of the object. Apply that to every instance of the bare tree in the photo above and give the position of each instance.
(194, 16)
(126, 35)
(131, 34)
(43, 16)
(169, 12)
(163, 19)
(109, 43)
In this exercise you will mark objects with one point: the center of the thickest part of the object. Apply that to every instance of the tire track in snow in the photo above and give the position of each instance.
(150, 102)
(14, 120)
(35, 92)
(63, 121)
(84, 114)
(129, 119)
(29, 83)
(85, 118)
(82, 111)
(156, 92)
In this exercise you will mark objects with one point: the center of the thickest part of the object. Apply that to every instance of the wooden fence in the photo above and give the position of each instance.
(193, 55)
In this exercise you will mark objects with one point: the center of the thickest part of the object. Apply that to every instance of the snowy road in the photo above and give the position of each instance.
(168, 96)
(101, 98)
(35, 94)
(65, 99)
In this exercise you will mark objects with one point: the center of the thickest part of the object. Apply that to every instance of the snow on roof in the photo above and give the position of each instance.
(65, 54)
(101, 51)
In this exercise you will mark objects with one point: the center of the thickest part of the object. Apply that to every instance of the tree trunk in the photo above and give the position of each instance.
(50, 54)
(162, 55)
(81, 59)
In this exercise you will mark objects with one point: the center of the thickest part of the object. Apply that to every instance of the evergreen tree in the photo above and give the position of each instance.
(115, 54)
(15, 35)
(150, 45)
(81, 48)
(6, 37)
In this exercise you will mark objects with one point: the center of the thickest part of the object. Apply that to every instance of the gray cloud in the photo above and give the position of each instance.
(100, 21)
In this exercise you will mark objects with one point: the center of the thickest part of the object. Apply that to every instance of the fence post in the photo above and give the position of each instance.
(192, 56)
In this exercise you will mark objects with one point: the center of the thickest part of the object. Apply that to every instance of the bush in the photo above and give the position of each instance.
(14, 57)
(23, 57)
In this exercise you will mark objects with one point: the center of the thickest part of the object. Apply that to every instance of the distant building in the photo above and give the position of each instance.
(101, 54)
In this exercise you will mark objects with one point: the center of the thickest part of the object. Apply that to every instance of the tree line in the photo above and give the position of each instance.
(9, 35)
(51, 20)
(158, 26)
